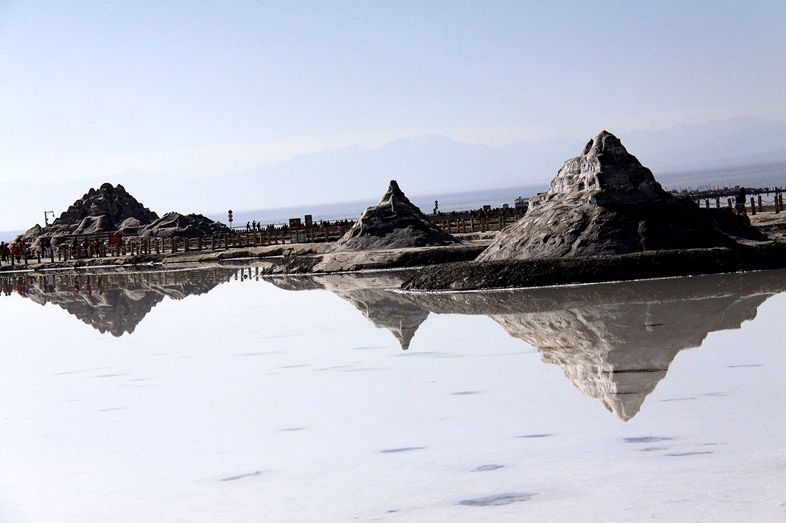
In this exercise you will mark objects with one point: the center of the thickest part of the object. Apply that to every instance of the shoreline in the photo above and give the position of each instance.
(648, 265)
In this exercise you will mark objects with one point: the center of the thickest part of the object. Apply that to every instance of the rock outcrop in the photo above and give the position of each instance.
(605, 202)
(183, 226)
(393, 223)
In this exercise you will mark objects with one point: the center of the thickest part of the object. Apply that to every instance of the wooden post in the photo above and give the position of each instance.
(707, 203)
(212, 242)
(753, 206)
(761, 208)
(717, 203)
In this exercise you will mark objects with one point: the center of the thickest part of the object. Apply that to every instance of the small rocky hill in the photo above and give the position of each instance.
(393, 223)
(605, 202)
(183, 226)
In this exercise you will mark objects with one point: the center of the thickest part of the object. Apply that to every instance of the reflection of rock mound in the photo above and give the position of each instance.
(98, 211)
(615, 342)
(117, 302)
(388, 310)
(184, 226)
(605, 202)
(393, 223)
(370, 295)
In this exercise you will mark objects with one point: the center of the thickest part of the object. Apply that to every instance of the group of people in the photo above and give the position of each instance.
(12, 251)
(254, 226)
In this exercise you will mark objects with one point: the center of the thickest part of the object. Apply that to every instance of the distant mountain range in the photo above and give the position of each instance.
(738, 151)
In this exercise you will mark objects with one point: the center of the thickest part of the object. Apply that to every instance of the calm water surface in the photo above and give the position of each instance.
(214, 395)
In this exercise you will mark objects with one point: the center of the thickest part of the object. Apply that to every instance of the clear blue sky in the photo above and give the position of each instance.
(206, 88)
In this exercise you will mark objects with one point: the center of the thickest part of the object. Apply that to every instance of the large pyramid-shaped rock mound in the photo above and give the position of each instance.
(604, 202)
(100, 210)
(393, 223)
(103, 210)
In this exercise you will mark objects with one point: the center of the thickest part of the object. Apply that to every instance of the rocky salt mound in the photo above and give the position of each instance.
(393, 223)
(106, 209)
(111, 209)
(101, 210)
(605, 202)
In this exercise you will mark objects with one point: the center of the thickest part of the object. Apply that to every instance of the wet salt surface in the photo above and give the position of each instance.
(246, 401)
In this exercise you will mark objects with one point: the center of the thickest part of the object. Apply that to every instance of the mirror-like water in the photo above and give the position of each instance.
(219, 396)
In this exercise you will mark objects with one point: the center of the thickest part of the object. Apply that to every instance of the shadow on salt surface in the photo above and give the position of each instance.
(242, 476)
(365, 369)
(535, 436)
(692, 453)
(335, 367)
(466, 392)
(400, 449)
(647, 439)
(497, 499)
(260, 353)
(487, 468)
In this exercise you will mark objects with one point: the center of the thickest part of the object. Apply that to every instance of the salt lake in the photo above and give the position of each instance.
(217, 395)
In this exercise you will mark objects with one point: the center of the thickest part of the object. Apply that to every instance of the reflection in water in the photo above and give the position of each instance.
(113, 302)
(371, 295)
(615, 342)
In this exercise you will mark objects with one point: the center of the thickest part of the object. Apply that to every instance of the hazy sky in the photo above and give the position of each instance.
(208, 88)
